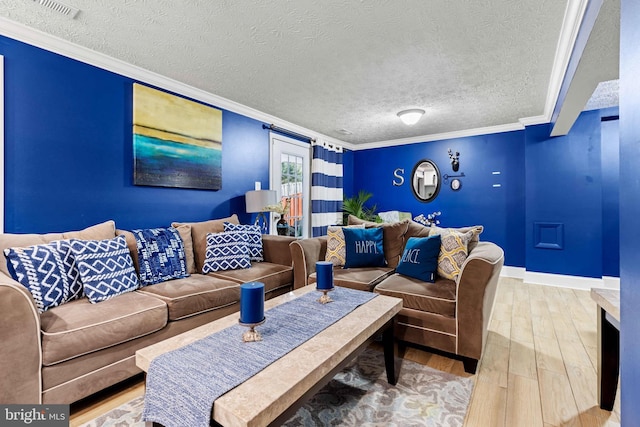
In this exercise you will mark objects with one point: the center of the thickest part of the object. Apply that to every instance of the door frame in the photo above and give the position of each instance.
(275, 140)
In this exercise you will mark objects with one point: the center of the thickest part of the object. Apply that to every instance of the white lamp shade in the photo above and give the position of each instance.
(410, 117)
(256, 200)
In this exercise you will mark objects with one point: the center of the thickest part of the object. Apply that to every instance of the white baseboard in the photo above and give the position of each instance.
(513, 272)
(560, 280)
(611, 282)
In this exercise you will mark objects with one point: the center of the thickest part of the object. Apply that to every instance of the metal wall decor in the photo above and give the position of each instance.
(455, 163)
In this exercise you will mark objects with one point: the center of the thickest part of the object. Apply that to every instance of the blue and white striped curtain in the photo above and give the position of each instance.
(326, 187)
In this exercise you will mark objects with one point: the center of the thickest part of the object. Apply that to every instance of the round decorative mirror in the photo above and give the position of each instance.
(425, 180)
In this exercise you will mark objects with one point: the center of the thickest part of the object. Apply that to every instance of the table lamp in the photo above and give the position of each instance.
(256, 200)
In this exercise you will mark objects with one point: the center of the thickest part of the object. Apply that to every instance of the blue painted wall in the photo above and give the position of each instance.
(629, 211)
(564, 186)
(610, 147)
(68, 148)
(499, 209)
(543, 179)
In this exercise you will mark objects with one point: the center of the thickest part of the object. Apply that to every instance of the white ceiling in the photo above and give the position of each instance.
(329, 65)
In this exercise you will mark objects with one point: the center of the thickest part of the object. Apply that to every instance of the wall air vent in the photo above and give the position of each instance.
(61, 8)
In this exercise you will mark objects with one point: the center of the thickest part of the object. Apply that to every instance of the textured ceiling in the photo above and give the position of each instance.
(606, 95)
(329, 65)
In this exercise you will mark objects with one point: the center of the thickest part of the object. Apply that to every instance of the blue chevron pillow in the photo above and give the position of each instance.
(226, 251)
(160, 254)
(106, 268)
(48, 271)
(253, 237)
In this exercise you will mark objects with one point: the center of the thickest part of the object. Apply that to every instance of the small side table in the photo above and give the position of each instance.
(608, 301)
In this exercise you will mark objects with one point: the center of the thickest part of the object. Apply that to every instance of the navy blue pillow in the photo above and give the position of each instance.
(420, 258)
(160, 254)
(363, 247)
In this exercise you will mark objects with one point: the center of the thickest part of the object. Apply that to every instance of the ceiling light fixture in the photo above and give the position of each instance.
(410, 117)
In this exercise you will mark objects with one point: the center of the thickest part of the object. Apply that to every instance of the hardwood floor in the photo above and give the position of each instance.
(538, 368)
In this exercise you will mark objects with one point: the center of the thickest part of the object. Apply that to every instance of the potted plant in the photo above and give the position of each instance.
(355, 206)
(281, 226)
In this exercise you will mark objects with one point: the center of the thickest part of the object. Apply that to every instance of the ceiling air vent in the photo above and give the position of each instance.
(61, 8)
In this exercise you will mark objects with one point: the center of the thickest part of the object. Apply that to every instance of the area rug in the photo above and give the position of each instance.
(361, 396)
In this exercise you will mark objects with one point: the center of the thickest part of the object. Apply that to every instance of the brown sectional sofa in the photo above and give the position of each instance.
(78, 348)
(450, 316)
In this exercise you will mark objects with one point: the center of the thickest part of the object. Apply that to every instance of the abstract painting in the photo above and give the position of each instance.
(176, 142)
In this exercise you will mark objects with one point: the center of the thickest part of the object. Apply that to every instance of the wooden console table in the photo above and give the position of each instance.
(608, 301)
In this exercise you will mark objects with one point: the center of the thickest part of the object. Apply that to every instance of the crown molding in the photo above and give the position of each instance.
(573, 16)
(71, 50)
(534, 120)
(441, 136)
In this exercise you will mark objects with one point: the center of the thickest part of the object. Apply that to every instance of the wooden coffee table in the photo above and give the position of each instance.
(273, 395)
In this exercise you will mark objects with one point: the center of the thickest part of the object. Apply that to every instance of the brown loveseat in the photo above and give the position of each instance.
(78, 348)
(450, 316)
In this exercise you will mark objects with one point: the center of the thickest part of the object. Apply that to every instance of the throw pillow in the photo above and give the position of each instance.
(187, 243)
(48, 271)
(253, 238)
(453, 251)
(70, 267)
(161, 255)
(199, 231)
(336, 250)
(106, 268)
(394, 237)
(477, 230)
(364, 247)
(420, 258)
(226, 251)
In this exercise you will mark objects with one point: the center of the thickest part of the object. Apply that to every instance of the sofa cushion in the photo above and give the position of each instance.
(79, 327)
(362, 279)
(49, 272)
(106, 268)
(106, 230)
(393, 238)
(194, 294)
(438, 297)
(274, 276)
(420, 258)
(364, 247)
(161, 255)
(226, 251)
(415, 229)
(253, 238)
(453, 251)
(199, 231)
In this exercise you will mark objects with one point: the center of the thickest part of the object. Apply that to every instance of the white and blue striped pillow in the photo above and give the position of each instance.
(226, 251)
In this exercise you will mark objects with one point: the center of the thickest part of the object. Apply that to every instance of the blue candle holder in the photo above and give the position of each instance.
(324, 299)
(252, 335)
